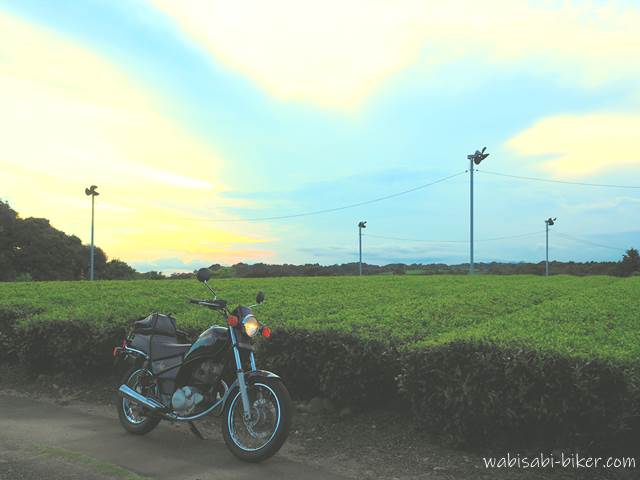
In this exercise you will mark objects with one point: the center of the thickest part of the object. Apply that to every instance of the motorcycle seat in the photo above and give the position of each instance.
(166, 347)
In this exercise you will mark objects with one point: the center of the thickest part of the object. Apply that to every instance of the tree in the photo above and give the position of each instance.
(32, 249)
(8, 245)
(152, 275)
(116, 270)
(630, 263)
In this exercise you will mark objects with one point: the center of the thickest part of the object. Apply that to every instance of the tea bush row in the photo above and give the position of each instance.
(470, 392)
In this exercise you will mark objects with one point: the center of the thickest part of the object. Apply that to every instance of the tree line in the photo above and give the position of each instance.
(628, 265)
(31, 249)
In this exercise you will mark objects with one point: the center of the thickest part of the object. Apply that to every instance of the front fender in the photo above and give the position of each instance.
(249, 377)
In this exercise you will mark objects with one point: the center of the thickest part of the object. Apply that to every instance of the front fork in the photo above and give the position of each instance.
(244, 396)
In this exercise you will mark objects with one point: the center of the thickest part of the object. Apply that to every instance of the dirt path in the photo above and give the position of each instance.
(57, 428)
(38, 437)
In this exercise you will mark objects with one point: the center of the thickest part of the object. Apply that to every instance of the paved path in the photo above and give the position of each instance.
(41, 440)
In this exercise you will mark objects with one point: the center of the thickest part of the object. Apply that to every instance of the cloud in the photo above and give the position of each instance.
(69, 118)
(581, 145)
(180, 264)
(605, 206)
(336, 54)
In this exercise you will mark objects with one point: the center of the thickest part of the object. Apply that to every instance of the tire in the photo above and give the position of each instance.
(282, 426)
(147, 423)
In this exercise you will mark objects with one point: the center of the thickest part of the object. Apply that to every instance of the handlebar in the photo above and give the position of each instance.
(215, 304)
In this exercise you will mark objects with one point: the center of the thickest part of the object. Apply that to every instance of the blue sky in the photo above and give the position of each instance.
(192, 112)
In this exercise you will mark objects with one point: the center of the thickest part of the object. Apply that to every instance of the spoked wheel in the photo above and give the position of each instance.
(131, 414)
(260, 435)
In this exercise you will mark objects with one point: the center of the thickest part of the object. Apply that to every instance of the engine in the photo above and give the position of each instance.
(185, 400)
(208, 372)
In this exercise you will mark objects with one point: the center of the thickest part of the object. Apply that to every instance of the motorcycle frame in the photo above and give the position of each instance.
(241, 381)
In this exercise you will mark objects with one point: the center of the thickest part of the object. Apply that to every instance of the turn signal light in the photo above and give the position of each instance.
(266, 332)
(232, 320)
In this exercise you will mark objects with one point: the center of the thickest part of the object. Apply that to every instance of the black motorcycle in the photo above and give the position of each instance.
(217, 375)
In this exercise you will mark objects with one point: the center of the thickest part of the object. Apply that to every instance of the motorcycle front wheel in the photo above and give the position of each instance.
(261, 435)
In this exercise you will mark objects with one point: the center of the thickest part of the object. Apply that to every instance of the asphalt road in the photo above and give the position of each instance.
(42, 440)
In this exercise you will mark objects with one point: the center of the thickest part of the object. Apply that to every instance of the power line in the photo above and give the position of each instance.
(336, 209)
(578, 239)
(455, 241)
(538, 179)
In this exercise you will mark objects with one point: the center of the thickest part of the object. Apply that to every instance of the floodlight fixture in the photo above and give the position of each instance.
(478, 156)
(91, 191)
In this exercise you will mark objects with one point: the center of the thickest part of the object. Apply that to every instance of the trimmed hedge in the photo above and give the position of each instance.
(334, 365)
(57, 346)
(472, 393)
(481, 394)
(63, 346)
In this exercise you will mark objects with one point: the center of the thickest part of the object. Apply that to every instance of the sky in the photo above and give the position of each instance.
(198, 120)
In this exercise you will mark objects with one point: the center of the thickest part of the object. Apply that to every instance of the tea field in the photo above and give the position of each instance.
(579, 316)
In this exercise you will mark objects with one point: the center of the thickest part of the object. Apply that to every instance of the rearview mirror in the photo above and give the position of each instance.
(203, 274)
(260, 297)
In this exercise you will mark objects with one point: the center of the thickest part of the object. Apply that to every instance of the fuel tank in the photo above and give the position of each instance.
(211, 343)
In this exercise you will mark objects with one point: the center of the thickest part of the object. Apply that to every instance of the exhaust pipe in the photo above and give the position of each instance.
(150, 403)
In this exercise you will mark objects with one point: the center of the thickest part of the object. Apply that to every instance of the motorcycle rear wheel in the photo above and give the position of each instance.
(132, 416)
(261, 437)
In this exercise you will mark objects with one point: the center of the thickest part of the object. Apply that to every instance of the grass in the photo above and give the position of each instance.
(92, 464)
(580, 316)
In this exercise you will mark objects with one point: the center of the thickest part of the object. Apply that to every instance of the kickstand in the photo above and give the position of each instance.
(195, 431)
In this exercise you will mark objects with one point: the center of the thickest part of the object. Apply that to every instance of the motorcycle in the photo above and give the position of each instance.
(216, 375)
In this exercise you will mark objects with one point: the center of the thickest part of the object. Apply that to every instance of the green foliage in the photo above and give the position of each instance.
(482, 394)
(589, 317)
(630, 263)
(334, 365)
(152, 275)
(70, 346)
(485, 358)
(117, 270)
(31, 249)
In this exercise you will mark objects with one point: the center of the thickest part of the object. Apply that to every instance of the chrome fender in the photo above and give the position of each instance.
(249, 377)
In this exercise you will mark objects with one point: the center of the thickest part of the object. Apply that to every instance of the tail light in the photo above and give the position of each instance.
(232, 320)
(266, 332)
(117, 350)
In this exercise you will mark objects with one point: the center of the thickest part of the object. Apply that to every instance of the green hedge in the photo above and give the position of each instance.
(481, 394)
(473, 393)
(63, 346)
(334, 365)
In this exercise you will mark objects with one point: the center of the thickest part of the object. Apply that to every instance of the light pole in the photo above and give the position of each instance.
(474, 158)
(548, 222)
(91, 192)
(361, 225)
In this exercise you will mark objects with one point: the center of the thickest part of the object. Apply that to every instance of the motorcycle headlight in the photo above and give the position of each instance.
(251, 325)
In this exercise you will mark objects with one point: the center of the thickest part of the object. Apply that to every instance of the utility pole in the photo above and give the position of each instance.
(91, 192)
(361, 225)
(548, 222)
(474, 158)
